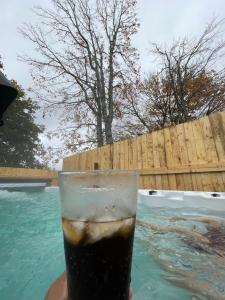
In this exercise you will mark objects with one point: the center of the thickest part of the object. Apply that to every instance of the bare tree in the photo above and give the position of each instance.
(150, 104)
(85, 54)
(188, 60)
(189, 84)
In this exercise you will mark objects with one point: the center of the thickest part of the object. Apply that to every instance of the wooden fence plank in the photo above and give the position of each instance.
(217, 126)
(156, 160)
(148, 150)
(207, 136)
(175, 147)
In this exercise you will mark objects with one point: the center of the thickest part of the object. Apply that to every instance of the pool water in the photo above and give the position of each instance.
(166, 265)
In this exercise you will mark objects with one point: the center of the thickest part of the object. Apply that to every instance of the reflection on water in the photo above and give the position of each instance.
(189, 246)
(32, 187)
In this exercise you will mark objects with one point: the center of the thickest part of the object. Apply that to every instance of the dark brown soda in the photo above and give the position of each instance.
(99, 270)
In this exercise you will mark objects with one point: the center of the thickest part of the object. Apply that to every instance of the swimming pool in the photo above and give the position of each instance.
(170, 264)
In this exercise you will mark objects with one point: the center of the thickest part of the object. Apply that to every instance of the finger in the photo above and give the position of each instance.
(58, 290)
(130, 293)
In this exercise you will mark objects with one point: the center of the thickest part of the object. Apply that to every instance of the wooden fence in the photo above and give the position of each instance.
(28, 175)
(189, 156)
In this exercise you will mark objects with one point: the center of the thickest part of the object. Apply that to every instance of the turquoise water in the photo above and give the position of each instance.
(31, 252)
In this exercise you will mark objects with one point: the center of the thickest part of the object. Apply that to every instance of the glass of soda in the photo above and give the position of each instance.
(98, 220)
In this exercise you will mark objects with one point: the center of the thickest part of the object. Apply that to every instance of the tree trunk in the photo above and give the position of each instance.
(100, 139)
(108, 132)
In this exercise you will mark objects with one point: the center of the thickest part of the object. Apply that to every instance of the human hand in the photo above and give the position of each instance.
(58, 289)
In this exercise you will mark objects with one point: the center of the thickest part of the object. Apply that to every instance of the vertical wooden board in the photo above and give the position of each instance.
(111, 156)
(74, 164)
(175, 147)
(158, 182)
(119, 155)
(122, 155)
(144, 158)
(172, 182)
(223, 178)
(161, 148)
(199, 142)
(148, 150)
(139, 153)
(194, 182)
(78, 162)
(85, 160)
(180, 182)
(165, 182)
(134, 149)
(206, 182)
(182, 145)
(108, 153)
(130, 154)
(150, 182)
(89, 164)
(168, 149)
(126, 152)
(65, 164)
(144, 182)
(97, 158)
(94, 158)
(218, 129)
(102, 157)
(145, 142)
(199, 182)
(187, 182)
(141, 182)
(210, 147)
(214, 182)
(108, 157)
(191, 149)
(222, 118)
(115, 156)
(219, 177)
(156, 158)
(81, 160)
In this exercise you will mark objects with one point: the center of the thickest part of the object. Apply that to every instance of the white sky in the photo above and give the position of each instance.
(161, 21)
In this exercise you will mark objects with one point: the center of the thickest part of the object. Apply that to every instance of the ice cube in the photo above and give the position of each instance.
(73, 230)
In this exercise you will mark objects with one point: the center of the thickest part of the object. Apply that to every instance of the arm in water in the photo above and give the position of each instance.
(58, 290)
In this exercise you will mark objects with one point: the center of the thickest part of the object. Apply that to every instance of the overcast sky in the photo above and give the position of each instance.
(161, 21)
